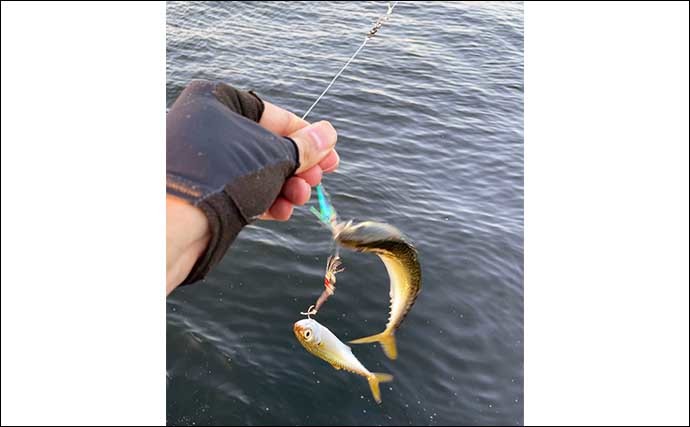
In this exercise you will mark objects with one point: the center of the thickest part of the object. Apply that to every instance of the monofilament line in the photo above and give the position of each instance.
(369, 35)
(377, 26)
(335, 78)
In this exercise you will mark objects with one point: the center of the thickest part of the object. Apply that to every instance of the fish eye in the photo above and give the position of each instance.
(307, 334)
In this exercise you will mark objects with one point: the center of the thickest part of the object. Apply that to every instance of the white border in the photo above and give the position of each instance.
(83, 307)
(606, 187)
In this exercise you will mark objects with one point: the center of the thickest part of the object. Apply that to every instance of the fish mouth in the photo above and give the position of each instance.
(297, 329)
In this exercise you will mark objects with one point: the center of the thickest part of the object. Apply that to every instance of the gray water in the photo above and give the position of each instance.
(430, 124)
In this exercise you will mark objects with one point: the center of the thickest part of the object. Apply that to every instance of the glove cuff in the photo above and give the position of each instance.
(225, 221)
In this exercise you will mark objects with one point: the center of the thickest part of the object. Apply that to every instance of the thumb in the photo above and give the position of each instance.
(314, 142)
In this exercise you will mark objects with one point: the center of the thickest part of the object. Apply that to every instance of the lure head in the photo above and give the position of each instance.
(308, 333)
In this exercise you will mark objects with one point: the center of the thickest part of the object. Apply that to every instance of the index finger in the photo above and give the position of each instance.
(280, 121)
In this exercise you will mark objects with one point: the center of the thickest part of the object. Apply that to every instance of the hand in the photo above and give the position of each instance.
(223, 171)
(313, 164)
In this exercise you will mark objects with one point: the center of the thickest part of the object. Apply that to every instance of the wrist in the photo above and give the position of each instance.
(187, 236)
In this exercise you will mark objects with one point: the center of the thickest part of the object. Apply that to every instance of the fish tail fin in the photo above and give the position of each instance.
(374, 381)
(387, 340)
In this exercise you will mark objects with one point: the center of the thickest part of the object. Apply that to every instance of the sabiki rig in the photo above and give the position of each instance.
(398, 255)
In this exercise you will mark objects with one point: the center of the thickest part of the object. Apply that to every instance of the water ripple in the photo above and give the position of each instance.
(430, 124)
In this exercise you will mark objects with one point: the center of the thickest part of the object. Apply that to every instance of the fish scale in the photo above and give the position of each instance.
(402, 264)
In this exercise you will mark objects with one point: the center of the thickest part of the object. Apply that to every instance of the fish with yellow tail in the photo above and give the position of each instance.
(322, 343)
(402, 264)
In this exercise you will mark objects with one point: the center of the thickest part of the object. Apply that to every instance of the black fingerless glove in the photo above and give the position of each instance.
(220, 160)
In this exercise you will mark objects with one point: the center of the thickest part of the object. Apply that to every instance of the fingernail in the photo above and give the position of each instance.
(321, 133)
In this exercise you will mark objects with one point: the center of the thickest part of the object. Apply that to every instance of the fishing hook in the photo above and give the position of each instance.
(310, 312)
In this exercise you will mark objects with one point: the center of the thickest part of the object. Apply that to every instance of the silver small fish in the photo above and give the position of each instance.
(322, 343)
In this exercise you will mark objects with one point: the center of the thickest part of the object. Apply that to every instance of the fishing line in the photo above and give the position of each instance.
(364, 43)
(327, 214)
(379, 23)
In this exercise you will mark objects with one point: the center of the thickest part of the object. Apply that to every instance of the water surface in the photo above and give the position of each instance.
(430, 123)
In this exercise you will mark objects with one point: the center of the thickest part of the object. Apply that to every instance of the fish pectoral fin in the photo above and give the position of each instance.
(374, 381)
(387, 340)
